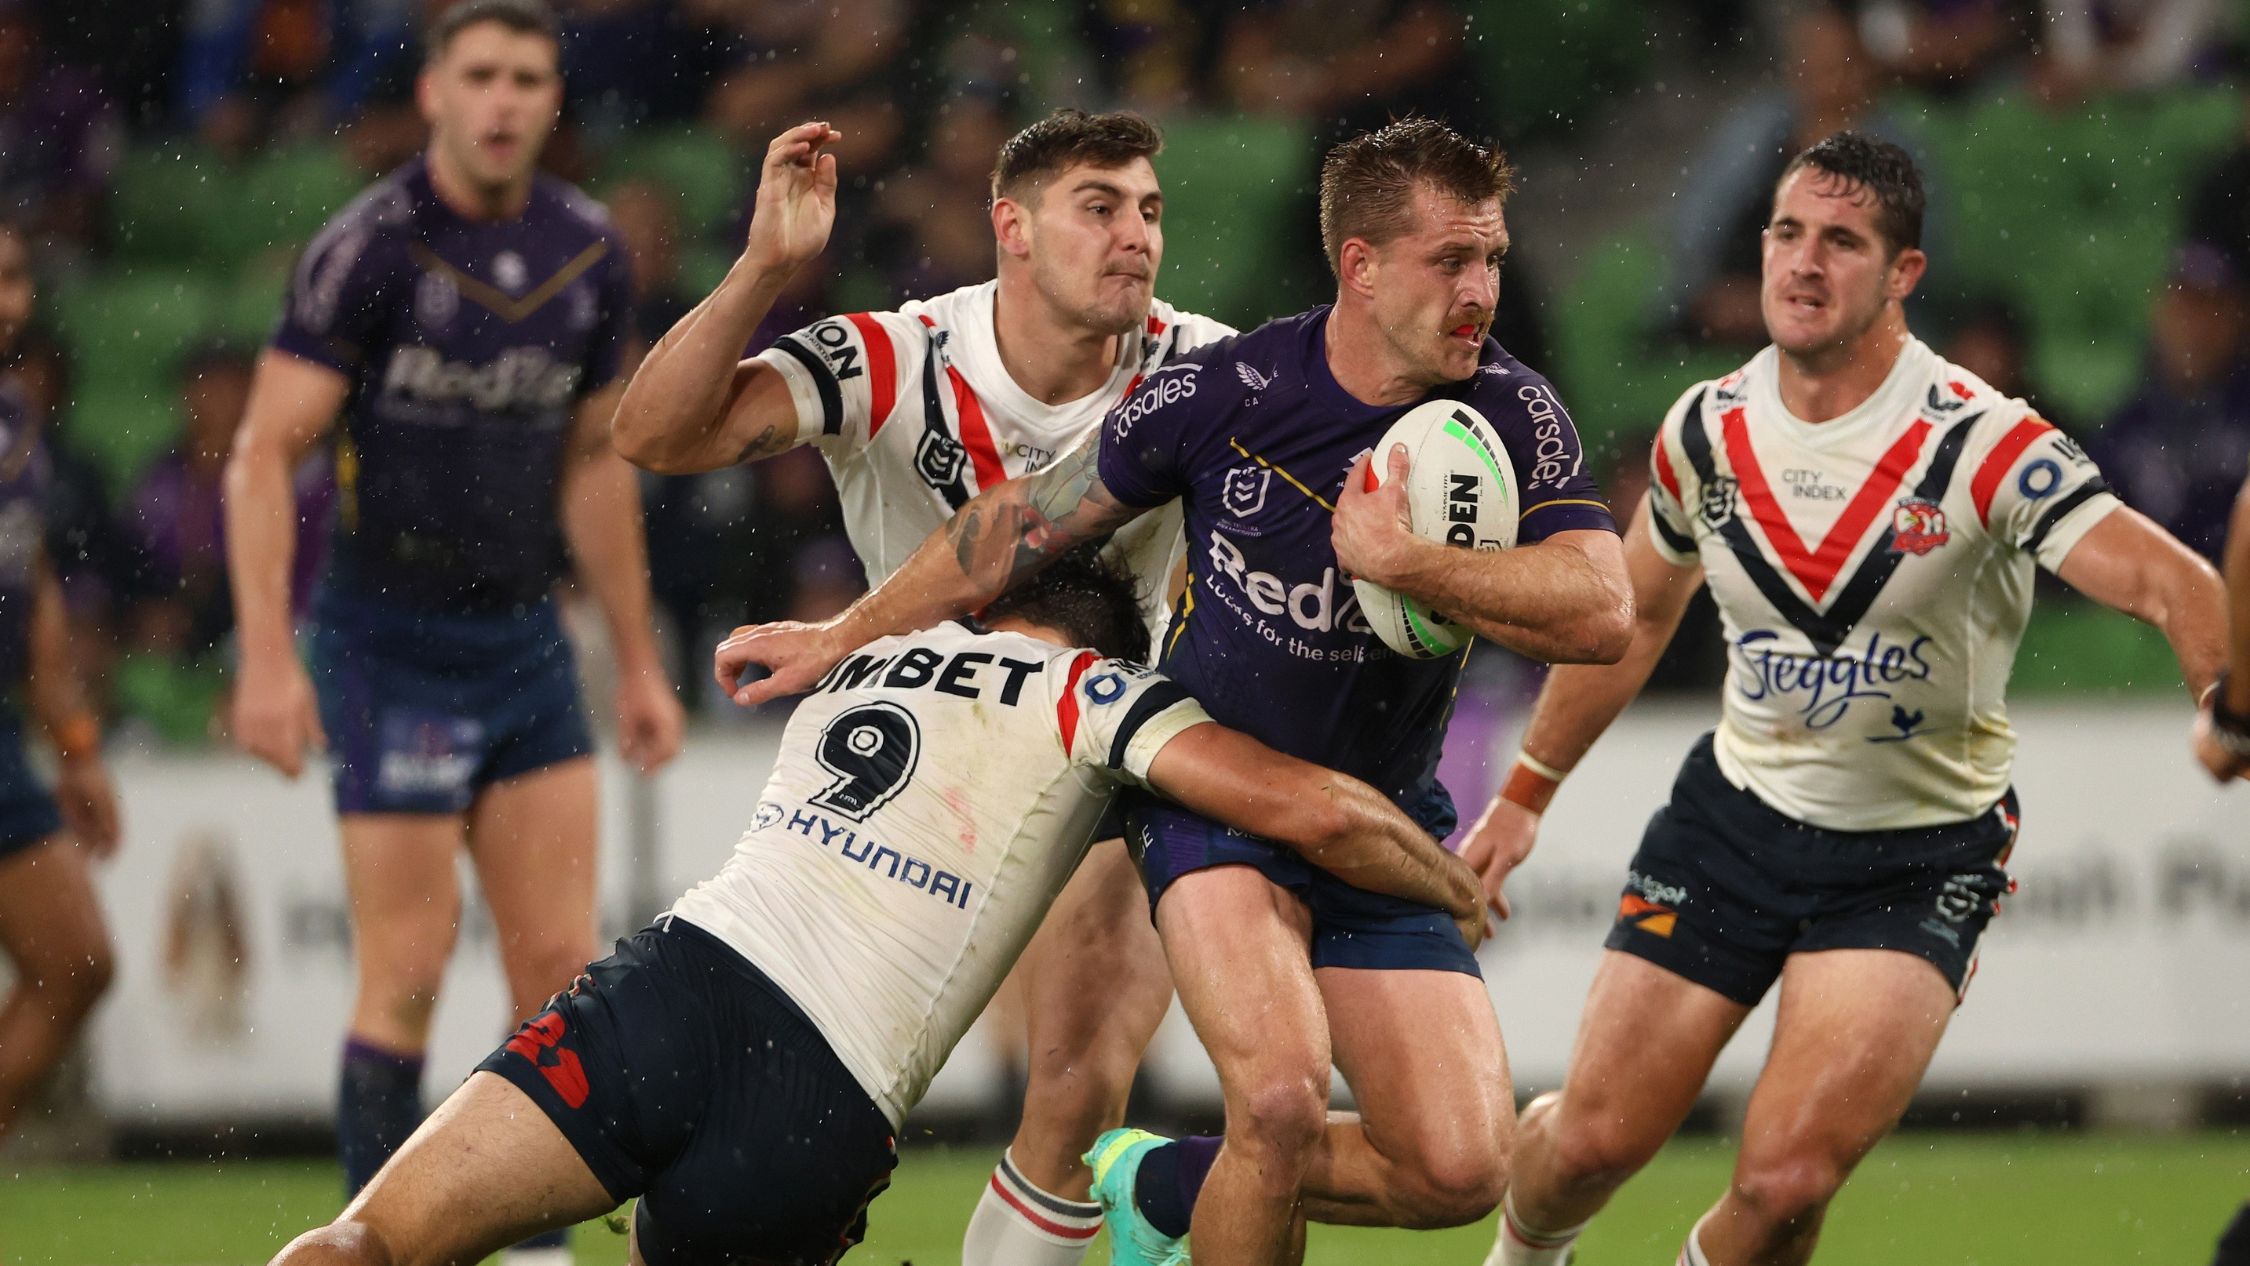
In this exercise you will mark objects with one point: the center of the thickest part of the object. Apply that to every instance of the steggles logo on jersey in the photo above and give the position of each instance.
(1715, 500)
(1245, 493)
(938, 459)
(1917, 526)
(1827, 684)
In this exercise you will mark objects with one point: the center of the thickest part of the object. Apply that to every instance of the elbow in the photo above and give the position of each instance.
(639, 443)
(1602, 636)
(1328, 826)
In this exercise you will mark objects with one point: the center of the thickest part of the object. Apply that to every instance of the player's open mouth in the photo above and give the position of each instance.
(1467, 332)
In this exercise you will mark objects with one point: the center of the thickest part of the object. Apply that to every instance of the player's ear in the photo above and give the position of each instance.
(1355, 267)
(1011, 227)
(1906, 272)
(425, 93)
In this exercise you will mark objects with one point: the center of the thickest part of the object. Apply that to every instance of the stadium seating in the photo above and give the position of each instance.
(127, 331)
(1235, 190)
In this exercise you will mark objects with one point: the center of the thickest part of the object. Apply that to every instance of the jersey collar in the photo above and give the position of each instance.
(1893, 404)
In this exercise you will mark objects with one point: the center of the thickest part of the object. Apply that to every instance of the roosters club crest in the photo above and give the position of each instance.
(1917, 526)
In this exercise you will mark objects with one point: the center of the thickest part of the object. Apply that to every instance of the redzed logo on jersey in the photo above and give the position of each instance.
(1917, 526)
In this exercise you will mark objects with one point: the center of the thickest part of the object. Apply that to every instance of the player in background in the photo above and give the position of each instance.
(1868, 517)
(916, 411)
(50, 921)
(2222, 743)
(1264, 438)
(929, 802)
(466, 316)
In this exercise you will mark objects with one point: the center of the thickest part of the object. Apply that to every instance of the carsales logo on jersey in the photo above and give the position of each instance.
(1166, 386)
(1316, 607)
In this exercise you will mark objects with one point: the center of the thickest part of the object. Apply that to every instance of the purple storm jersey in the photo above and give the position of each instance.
(468, 344)
(25, 475)
(1254, 436)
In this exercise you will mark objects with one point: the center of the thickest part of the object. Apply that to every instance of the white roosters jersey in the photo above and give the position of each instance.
(1874, 575)
(932, 795)
(917, 415)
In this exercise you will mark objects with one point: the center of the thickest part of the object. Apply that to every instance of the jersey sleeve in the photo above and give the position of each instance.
(336, 297)
(1116, 716)
(845, 375)
(1671, 530)
(613, 322)
(1144, 438)
(2037, 490)
(1542, 441)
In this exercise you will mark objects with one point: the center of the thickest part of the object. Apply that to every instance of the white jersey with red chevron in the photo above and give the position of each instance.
(1874, 574)
(918, 414)
(932, 795)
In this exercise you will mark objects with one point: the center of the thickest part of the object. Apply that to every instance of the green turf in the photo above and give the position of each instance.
(1947, 1200)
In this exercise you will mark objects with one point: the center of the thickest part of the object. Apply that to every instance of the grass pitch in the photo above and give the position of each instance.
(1931, 1199)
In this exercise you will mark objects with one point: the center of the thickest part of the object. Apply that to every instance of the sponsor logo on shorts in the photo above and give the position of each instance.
(1917, 526)
(539, 1041)
(1649, 905)
(1959, 899)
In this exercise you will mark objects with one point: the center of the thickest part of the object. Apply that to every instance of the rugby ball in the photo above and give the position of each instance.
(1460, 491)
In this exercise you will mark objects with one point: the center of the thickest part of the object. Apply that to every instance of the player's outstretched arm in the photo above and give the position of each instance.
(2220, 748)
(82, 787)
(1003, 535)
(1565, 600)
(1575, 706)
(694, 404)
(601, 522)
(2128, 563)
(1335, 821)
(292, 403)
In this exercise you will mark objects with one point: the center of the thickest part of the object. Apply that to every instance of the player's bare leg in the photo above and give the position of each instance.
(1855, 1031)
(1646, 1042)
(1240, 951)
(1095, 988)
(486, 1169)
(51, 927)
(406, 914)
(532, 838)
(1429, 1145)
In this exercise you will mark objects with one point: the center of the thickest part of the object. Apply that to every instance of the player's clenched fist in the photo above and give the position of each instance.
(796, 203)
(794, 655)
(1373, 530)
(1497, 844)
(275, 715)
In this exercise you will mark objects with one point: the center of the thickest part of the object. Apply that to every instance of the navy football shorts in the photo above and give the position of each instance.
(27, 809)
(684, 1076)
(1352, 927)
(424, 709)
(1725, 888)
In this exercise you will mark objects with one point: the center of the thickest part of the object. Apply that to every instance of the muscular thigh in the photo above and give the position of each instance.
(1646, 1041)
(49, 916)
(1422, 1053)
(1854, 1033)
(398, 867)
(1096, 968)
(1240, 952)
(486, 1169)
(533, 840)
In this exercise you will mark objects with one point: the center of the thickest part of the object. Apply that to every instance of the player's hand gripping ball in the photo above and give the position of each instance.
(1460, 491)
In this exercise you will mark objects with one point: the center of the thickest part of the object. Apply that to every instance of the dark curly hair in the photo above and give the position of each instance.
(1064, 140)
(1884, 171)
(1084, 597)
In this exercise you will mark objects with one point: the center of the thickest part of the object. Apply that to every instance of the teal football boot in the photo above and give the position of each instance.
(1116, 1159)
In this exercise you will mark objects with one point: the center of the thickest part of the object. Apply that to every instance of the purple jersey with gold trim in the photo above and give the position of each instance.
(468, 344)
(1254, 436)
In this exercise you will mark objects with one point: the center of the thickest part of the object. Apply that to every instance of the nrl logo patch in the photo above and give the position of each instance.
(938, 459)
(1716, 502)
(1245, 492)
(1917, 526)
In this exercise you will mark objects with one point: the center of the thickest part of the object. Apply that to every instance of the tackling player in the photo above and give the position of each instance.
(1868, 517)
(931, 799)
(50, 921)
(1263, 438)
(466, 316)
(917, 411)
(2222, 731)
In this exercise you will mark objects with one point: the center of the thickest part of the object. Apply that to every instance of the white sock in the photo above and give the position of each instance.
(1520, 1245)
(1691, 1253)
(1016, 1224)
(557, 1256)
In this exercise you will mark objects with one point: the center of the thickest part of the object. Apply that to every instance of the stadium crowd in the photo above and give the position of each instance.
(2091, 188)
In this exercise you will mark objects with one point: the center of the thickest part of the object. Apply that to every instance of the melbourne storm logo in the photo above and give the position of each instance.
(1246, 490)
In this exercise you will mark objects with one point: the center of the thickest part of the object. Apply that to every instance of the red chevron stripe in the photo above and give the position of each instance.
(882, 369)
(1996, 463)
(1067, 710)
(1663, 465)
(975, 435)
(1816, 570)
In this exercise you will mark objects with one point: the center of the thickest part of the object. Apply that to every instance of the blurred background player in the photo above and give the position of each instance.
(917, 411)
(50, 923)
(467, 316)
(1264, 440)
(1868, 517)
(929, 802)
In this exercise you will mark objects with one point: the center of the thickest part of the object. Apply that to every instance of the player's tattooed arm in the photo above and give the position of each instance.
(1015, 529)
(1003, 535)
